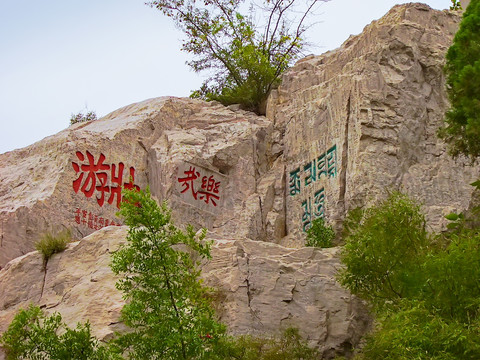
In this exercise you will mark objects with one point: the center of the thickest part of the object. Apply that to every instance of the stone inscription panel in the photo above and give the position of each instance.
(306, 182)
(200, 187)
(102, 182)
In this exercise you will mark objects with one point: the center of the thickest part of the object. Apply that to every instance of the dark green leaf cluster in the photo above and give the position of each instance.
(167, 307)
(462, 129)
(456, 5)
(320, 234)
(34, 335)
(245, 58)
(424, 288)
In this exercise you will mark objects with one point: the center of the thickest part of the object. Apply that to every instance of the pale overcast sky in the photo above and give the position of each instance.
(59, 56)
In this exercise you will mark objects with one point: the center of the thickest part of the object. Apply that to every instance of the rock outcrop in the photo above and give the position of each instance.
(262, 288)
(342, 130)
(360, 121)
(207, 160)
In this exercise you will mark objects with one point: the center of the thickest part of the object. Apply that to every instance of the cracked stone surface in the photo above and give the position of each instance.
(380, 99)
(262, 289)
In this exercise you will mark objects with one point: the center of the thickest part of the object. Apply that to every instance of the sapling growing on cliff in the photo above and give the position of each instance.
(167, 307)
(245, 56)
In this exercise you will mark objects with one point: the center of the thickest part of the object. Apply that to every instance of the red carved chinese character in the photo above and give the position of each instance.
(206, 196)
(84, 217)
(116, 190)
(131, 183)
(208, 187)
(90, 220)
(77, 216)
(187, 181)
(92, 171)
(101, 222)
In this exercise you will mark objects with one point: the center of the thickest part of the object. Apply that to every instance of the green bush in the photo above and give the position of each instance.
(51, 244)
(320, 235)
(416, 332)
(34, 335)
(288, 346)
(382, 252)
(423, 288)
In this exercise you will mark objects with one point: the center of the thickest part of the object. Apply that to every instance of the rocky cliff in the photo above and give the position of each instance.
(342, 130)
(360, 121)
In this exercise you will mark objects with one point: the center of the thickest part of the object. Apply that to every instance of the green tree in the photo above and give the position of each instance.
(245, 58)
(382, 251)
(320, 234)
(34, 335)
(423, 288)
(462, 128)
(167, 307)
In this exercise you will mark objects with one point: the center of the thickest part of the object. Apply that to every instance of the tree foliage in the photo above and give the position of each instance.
(34, 335)
(245, 57)
(423, 288)
(320, 234)
(381, 252)
(166, 308)
(462, 128)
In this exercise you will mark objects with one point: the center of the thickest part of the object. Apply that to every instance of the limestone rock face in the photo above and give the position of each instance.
(262, 288)
(360, 121)
(204, 158)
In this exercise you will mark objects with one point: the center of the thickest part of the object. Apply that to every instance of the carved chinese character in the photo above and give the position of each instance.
(321, 166)
(92, 171)
(77, 216)
(332, 161)
(310, 172)
(187, 182)
(307, 214)
(209, 189)
(294, 182)
(84, 217)
(319, 202)
(90, 220)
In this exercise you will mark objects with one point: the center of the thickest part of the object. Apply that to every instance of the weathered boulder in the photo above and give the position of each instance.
(262, 288)
(205, 158)
(360, 121)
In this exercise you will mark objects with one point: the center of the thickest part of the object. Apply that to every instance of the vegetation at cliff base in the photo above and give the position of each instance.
(169, 312)
(244, 54)
(320, 234)
(167, 307)
(423, 288)
(462, 123)
(34, 335)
